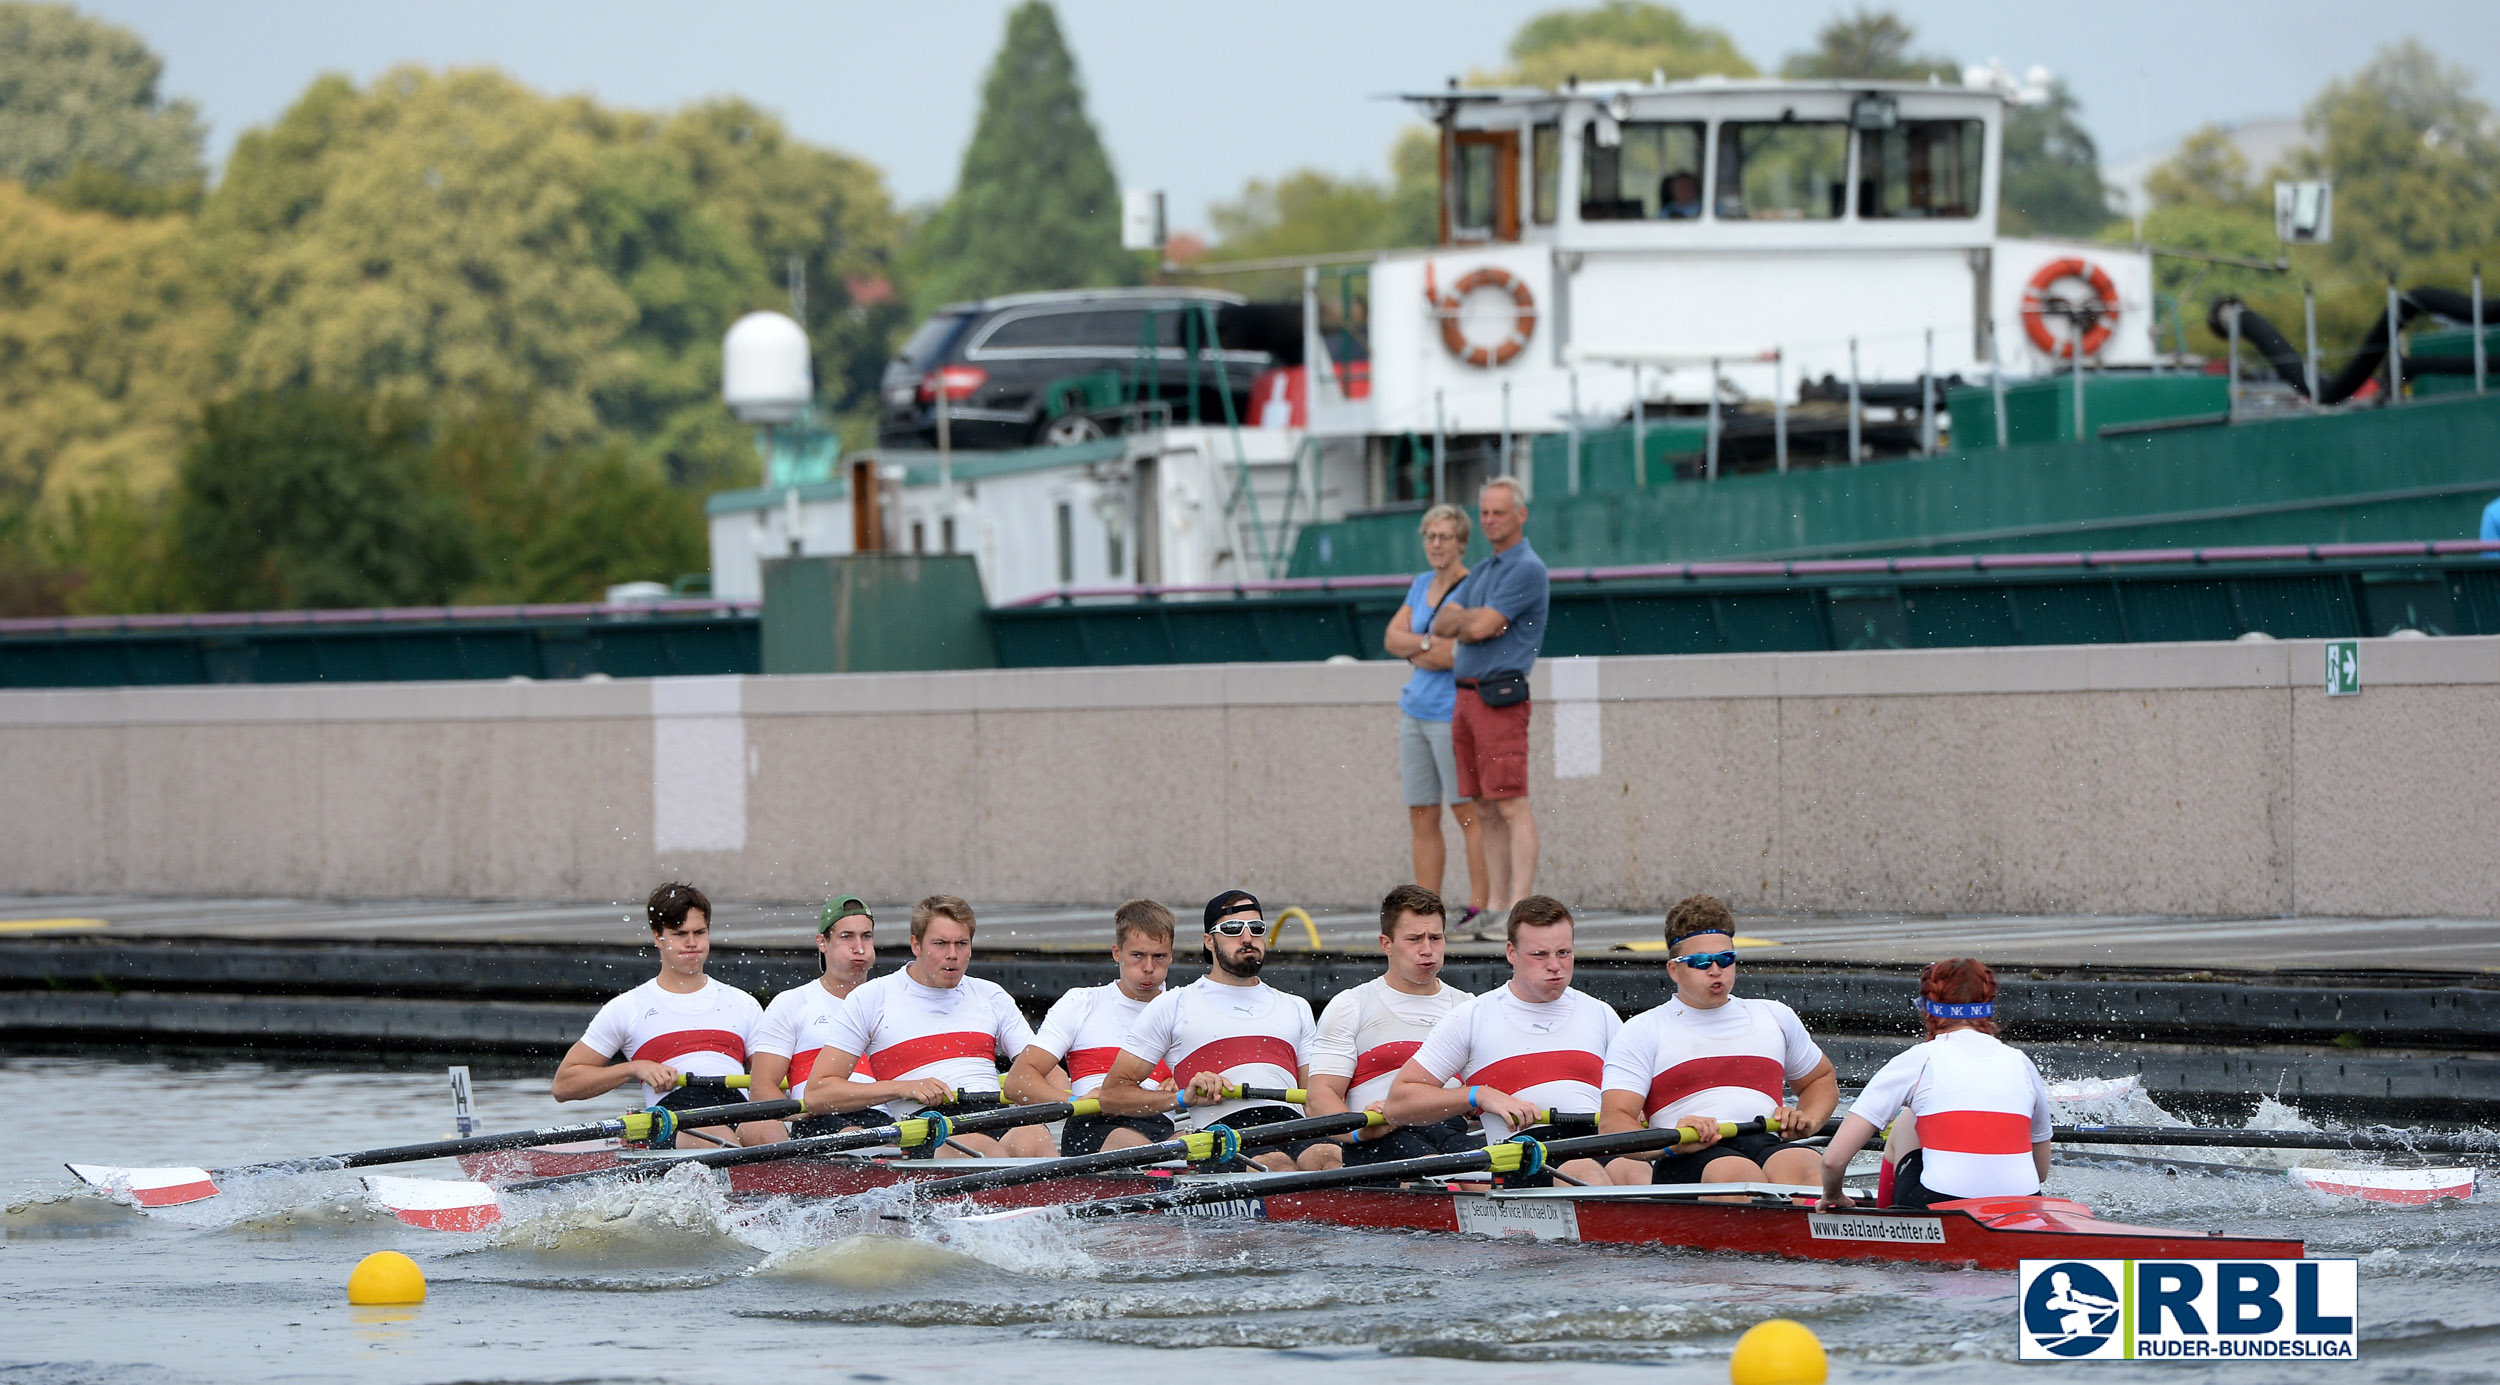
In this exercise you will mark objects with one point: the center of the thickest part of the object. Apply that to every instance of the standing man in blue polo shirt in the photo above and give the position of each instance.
(1497, 618)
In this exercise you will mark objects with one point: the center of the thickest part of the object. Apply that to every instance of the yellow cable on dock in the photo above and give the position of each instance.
(1310, 930)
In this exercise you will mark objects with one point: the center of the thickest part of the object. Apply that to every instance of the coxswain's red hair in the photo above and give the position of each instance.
(1958, 981)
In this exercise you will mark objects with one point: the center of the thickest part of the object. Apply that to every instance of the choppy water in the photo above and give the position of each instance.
(672, 1282)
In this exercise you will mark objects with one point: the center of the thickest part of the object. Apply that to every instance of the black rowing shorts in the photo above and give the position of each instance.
(1686, 1168)
(1452, 1136)
(1085, 1134)
(1269, 1115)
(835, 1122)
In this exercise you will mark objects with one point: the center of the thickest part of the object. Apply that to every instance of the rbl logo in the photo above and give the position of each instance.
(2189, 1309)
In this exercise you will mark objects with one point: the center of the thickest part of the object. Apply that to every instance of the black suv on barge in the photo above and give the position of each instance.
(1037, 369)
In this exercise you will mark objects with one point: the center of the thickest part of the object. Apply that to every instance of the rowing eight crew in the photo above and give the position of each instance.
(1448, 1070)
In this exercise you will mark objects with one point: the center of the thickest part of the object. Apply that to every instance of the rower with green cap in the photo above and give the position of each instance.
(794, 1026)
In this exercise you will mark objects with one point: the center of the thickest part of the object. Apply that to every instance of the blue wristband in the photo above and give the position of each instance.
(1471, 1098)
(1180, 1101)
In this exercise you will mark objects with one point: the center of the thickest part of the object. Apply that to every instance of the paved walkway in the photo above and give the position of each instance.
(2259, 944)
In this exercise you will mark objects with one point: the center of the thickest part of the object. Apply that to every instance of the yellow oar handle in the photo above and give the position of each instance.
(1728, 1130)
(738, 1083)
(1293, 1095)
(1086, 1106)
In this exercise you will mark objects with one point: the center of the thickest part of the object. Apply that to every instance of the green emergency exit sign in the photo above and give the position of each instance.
(2343, 668)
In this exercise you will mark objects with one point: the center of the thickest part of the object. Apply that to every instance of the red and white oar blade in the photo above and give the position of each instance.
(436, 1204)
(149, 1187)
(2409, 1186)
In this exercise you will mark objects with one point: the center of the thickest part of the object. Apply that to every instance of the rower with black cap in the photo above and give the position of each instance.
(797, 1023)
(1980, 1114)
(1228, 1028)
(1709, 1055)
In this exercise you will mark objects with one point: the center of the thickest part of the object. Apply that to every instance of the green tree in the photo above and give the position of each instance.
(1872, 45)
(2052, 171)
(1035, 206)
(76, 91)
(548, 525)
(2416, 163)
(108, 335)
(443, 240)
(1620, 40)
(307, 498)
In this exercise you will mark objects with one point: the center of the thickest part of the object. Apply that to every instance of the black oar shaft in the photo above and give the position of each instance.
(1395, 1171)
(733, 1113)
(1138, 1156)
(971, 1123)
(2191, 1137)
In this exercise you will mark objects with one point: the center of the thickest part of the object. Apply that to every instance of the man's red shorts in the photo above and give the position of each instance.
(1491, 747)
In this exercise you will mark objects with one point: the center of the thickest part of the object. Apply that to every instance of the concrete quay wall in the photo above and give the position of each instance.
(2207, 779)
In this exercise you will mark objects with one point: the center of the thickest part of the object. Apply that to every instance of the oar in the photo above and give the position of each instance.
(447, 1205)
(1216, 1142)
(1517, 1156)
(2198, 1137)
(170, 1187)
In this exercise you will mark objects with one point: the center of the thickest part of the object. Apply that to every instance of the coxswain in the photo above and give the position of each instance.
(783, 1053)
(1227, 1028)
(928, 1032)
(1980, 1114)
(1709, 1055)
(678, 1023)
(1369, 1031)
(1080, 1038)
(1535, 1044)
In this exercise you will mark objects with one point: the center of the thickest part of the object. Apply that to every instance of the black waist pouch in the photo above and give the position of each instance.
(1503, 689)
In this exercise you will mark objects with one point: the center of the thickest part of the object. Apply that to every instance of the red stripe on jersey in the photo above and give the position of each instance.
(1976, 1132)
(913, 1054)
(1514, 1075)
(801, 1064)
(1091, 1062)
(686, 1041)
(1387, 1058)
(1238, 1052)
(1764, 1075)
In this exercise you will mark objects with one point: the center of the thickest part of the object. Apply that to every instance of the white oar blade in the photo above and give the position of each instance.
(1010, 1214)
(2412, 1187)
(435, 1204)
(149, 1187)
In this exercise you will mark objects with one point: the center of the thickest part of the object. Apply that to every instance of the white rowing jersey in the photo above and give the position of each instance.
(1980, 1107)
(905, 1030)
(1367, 1033)
(1255, 1035)
(1549, 1055)
(1731, 1063)
(1083, 1032)
(700, 1033)
(795, 1026)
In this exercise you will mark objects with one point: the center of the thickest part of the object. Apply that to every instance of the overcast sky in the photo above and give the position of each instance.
(1197, 98)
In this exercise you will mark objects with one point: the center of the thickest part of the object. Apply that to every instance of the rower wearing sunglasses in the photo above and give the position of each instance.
(1228, 1028)
(1709, 1055)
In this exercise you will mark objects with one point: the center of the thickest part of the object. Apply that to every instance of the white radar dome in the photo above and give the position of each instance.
(764, 369)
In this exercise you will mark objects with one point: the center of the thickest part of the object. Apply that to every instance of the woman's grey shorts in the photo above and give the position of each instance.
(1425, 762)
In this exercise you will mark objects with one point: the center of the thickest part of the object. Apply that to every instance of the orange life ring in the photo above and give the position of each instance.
(2095, 319)
(1522, 316)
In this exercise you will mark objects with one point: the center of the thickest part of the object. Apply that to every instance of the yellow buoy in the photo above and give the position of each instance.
(386, 1276)
(1777, 1352)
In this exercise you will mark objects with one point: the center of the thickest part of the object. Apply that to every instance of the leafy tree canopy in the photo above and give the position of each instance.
(108, 336)
(453, 238)
(1036, 205)
(1871, 45)
(1620, 40)
(76, 91)
(1309, 212)
(2052, 171)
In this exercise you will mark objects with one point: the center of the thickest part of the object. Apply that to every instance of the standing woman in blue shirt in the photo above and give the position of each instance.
(1425, 762)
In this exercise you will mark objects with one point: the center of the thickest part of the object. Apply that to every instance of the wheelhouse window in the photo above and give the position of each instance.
(1921, 169)
(1783, 170)
(1645, 170)
(1545, 152)
(1483, 185)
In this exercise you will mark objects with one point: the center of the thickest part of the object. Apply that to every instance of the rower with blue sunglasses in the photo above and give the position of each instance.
(1709, 1055)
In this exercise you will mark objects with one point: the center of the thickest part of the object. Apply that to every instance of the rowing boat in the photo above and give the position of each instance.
(1993, 1233)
